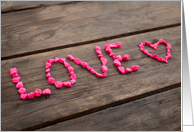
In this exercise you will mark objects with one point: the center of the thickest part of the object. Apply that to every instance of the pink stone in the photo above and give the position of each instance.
(70, 69)
(93, 71)
(159, 58)
(84, 64)
(23, 96)
(51, 80)
(108, 50)
(48, 75)
(141, 49)
(112, 54)
(119, 57)
(125, 57)
(152, 46)
(97, 48)
(165, 60)
(31, 95)
(128, 70)
(155, 47)
(165, 42)
(71, 73)
(13, 71)
(51, 60)
(56, 59)
(104, 74)
(147, 43)
(135, 67)
(104, 68)
(22, 91)
(46, 91)
(99, 75)
(73, 81)
(119, 44)
(77, 61)
(47, 70)
(48, 64)
(58, 84)
(117, 62)
(16, 79)
(104, 61)
(19, 85)
(121, 69)
(155, 56)
(106, 46)
(145, 51)
(67, 84)
(47, 67)
(73, 76)
(37, 92)
(16, 75)
(62, 60)
(89, 68)
(113, 45)
(168, 46)
(99, 52)
(150, 55)
(100, 56)
(161, 41)
(114, 57)
(168, 51)
(66, 64)
(70, 57)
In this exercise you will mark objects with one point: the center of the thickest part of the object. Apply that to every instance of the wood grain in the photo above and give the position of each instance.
(63, 25)
(89, 92)
(159, 112)
(18, 5)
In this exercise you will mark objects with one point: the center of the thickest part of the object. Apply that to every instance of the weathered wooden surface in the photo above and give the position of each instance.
(89, 92)
(18, 5)
(62, 25)
(159, 112)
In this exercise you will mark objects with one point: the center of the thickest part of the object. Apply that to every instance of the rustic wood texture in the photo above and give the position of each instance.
(89, 92)
(18, 5)
(54, 26)
(159, 112)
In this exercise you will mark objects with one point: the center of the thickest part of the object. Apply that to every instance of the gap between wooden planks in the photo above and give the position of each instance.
(89, 92)
(54, 26)
(159, 112)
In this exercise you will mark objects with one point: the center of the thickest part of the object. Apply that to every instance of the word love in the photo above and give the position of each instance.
(108, 47)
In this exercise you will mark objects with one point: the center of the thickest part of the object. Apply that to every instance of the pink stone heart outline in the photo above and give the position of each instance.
(154, 46)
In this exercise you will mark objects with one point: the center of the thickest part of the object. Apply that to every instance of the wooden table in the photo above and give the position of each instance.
(148, 99)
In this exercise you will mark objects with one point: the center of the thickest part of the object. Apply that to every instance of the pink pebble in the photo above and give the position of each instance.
(97, 48)
(70, 69)
(51, 80)
(99, 52)
(51, 60)
(62, 60)
(161, 41)
(112, 54)
(104, 74)
(84, 64)
(135, 67)
(13, 71)
(73, 81)
(119, 57)
(168, 46)
(159, 58)
(56, 59)
(89, 68)
(106, 46)
(46, 91)
(31, 95)
(73, 76)
(108, 50)
(104, 68)
(93, 71)
(67, 84)
(155, 56)
(16, 75)
(150, 55)
(113, 45)
(16, 79)
(37, 92)
(58, 84)
(145, 51)
(168, 51)
(66, 64)
(155, 47)
(152, 46)
(22, 91)
(48, 65)
(128, 70)
(104, 61)
(70, 57)
(121, 69)
(114, 57)
(70, 73)
(119, 44)
(48, 75)
(77, 61)
(147, 43)
(23, 96)
(100, 56)
(99, 75)
(125, 57)
(117, 62)
(19, 85)
(47, 70)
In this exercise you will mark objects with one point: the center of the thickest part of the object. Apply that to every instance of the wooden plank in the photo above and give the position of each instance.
(18, 5)
(159, 112)
(63, 25)
(89, 92)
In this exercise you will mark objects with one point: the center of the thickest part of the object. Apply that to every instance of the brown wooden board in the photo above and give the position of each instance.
(18, 5)
(32, 31)
(89, 92)
(159, 112)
